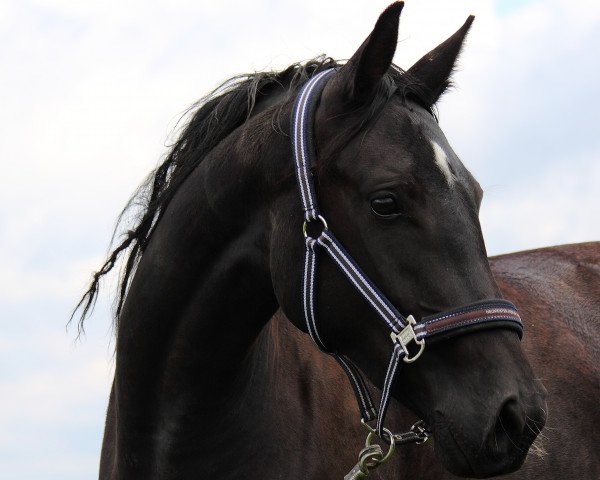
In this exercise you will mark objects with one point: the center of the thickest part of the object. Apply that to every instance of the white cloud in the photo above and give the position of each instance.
(53, 402)
(545, 213)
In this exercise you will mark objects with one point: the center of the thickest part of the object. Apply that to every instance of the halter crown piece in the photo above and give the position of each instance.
(403, 331)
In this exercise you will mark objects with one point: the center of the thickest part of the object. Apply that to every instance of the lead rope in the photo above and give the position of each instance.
(403, 331)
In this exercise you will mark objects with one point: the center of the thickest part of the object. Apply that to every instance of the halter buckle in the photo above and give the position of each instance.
(407, 335)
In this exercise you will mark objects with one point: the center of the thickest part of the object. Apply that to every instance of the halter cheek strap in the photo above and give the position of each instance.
(403, 331)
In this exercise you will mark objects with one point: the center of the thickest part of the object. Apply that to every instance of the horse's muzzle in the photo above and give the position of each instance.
(499, 449)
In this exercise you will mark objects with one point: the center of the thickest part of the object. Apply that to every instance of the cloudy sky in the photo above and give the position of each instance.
(90, 91)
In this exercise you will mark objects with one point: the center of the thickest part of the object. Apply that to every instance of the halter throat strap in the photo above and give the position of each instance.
(404, 332)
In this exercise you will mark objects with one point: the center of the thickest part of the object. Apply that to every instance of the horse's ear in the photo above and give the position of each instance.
(362, 73)
(434, 70)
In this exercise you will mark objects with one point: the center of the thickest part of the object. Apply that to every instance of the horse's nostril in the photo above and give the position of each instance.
(510, 422)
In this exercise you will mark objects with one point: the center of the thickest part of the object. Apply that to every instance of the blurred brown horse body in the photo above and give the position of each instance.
(557, 291)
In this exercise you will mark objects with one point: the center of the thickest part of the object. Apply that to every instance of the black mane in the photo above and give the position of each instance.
(212, 119)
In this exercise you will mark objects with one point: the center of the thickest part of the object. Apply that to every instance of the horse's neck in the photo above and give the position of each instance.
(202, 389)
(201, 294)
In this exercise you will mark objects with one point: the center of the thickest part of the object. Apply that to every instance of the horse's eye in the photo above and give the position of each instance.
(385, 206)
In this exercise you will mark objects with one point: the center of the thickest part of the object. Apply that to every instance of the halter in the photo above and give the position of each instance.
(403, 331)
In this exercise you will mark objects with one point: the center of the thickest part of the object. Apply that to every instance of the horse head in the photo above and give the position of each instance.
(406, 208)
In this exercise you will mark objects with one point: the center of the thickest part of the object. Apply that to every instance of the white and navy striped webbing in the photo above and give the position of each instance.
(388, 313)
(388, 383)
(302, 124)
(301, 141)
(303, 150)
(379, 303)
(361, 392)
(365, 403)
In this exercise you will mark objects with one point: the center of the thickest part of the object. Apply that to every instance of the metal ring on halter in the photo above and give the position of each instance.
(407, 335)
(391, 449)
(305, 226)
(408, 359)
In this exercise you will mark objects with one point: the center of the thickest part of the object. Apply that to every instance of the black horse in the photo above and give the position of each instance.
(218, 248)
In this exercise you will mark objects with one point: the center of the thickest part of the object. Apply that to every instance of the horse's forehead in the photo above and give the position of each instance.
(432, 149)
